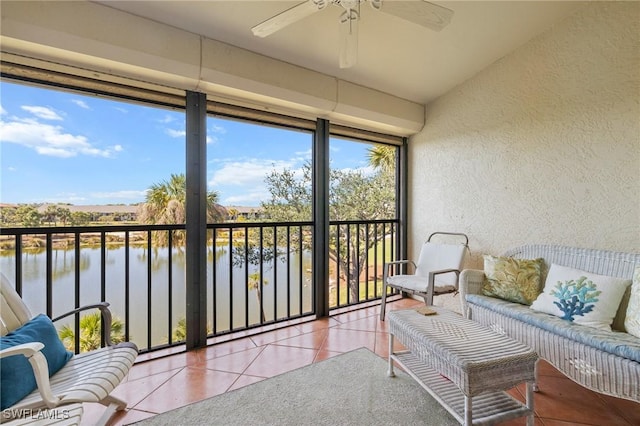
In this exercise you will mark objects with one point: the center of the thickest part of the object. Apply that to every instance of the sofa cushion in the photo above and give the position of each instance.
(515, 280)
(581, 297)
(618, 343)
(632, 319)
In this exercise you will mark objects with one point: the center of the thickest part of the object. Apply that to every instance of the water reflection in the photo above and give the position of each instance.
(286, 288)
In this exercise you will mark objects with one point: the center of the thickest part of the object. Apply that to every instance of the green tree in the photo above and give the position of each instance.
(63, 214)
(8, 215)
(233, 213)
(90, 326)
(165, 204)
(254, 284)
(50, 215)
(29, 216)
(180, 331)
(255, 255)
(80, 218)
(382, 157)
(352, 196)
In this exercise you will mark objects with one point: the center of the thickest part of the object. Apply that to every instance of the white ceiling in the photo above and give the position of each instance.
(395, 56)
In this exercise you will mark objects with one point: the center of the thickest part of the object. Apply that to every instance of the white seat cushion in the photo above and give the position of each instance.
(418, 284)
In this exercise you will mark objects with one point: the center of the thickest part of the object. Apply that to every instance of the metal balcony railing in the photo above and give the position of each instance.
(257, 274)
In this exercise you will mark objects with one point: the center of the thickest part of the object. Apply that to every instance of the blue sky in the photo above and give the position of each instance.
(63, 147)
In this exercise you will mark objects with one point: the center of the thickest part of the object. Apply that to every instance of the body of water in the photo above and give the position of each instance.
(285, 290)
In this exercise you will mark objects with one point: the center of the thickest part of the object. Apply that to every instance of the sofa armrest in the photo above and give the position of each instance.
(470, 282)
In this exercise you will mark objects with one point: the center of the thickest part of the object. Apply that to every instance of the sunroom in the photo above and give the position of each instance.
(515, 123)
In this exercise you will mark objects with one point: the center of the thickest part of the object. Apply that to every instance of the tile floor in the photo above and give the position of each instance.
(158, 385)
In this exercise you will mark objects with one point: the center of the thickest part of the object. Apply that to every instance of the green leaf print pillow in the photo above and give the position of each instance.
(581, 297)
(515, 280)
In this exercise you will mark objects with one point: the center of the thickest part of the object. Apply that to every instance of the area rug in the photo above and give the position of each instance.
(348, 389)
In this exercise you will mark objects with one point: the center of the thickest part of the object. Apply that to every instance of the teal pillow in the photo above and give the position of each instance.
(16, 373)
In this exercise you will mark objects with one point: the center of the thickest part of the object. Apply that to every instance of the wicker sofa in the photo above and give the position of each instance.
(607, 362)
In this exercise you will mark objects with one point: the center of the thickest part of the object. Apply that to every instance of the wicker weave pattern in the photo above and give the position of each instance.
(473, 357)
(589, 366)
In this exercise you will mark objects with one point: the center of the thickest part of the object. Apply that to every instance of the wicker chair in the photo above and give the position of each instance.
(86, 377)
(435, 273)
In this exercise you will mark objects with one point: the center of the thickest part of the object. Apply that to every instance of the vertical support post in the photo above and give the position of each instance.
(196, 217)
(321, 218)
(401, 201)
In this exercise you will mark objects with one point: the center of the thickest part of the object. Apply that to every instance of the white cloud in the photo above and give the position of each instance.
(249, 172)
(48, 140)
(42, 112)
(2, 110)
(166, 119)
(183, 133)
(216, 128)
(365, 170)
(245, 199)
(81, 103)
(176, 133)
(241, 181)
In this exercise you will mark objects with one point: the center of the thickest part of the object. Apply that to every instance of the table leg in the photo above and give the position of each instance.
(468, 407)
(530, 389)
(390, 372)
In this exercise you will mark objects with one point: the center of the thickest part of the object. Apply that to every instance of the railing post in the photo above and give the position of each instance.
(196, 220)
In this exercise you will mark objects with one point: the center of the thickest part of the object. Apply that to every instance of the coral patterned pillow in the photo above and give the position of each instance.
(581, 297)
(632, 319)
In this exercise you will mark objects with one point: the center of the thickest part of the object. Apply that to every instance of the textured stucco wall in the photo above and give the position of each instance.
(543, 146)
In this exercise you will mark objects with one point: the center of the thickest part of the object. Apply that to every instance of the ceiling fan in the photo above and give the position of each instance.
(420, 12)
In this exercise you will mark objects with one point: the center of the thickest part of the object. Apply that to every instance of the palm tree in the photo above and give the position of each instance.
(165, 204)
(90, 327)
(254, 284)
(233, 213)
(180, 331)
(382, 157)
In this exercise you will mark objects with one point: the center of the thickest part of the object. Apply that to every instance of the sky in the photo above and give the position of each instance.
(65, 147)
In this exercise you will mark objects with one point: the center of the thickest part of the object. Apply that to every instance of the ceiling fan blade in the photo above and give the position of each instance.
(421, 12)
(288, 17)
(348, 38)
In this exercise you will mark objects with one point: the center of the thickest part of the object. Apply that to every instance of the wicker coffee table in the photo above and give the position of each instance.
(466, 367)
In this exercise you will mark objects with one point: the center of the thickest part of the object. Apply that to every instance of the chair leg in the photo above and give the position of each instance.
(428, 301)
(113, 404)
(383, 301)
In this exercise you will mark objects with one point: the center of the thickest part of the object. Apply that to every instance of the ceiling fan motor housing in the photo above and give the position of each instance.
(348, 4)
(423, 13)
